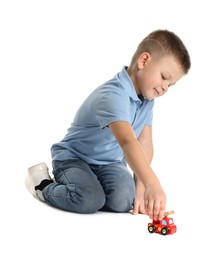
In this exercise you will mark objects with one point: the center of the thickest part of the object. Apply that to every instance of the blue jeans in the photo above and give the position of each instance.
(84, 188)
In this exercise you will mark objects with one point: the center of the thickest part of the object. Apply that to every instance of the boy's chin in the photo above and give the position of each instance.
(150, 98)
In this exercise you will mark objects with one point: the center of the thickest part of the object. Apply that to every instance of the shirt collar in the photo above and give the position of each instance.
(127, 82)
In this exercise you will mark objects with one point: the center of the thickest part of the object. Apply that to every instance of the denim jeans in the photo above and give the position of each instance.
(84, 188)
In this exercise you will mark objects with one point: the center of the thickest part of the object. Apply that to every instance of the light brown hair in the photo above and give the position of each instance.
(161, 43)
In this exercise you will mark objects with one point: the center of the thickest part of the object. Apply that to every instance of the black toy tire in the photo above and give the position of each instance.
(151, 229)
(164, 231)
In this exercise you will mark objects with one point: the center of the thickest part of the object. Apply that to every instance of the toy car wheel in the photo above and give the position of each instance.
(151, 229)
(164, 231)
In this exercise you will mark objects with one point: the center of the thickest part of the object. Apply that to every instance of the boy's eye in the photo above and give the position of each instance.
(163, 77)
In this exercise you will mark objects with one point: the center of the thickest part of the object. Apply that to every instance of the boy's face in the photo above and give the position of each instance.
(155, 76)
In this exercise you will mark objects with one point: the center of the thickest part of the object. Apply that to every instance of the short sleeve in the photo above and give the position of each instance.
(112, 107)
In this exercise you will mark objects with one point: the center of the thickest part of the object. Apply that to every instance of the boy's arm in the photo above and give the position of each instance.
(154, 196)
(146, 141)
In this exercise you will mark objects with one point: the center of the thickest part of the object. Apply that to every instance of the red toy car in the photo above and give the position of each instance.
(164, 226)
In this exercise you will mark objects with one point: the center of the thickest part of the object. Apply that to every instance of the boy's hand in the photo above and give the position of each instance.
(155, 201)
(138, 207)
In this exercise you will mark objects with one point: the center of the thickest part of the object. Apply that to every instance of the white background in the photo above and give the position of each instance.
(52, 55)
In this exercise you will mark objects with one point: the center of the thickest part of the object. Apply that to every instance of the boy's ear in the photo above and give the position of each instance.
(144, 58)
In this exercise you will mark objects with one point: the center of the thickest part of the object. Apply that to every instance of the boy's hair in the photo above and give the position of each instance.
(161, 43)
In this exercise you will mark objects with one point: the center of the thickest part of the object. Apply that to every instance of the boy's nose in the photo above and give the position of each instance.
(165, 87)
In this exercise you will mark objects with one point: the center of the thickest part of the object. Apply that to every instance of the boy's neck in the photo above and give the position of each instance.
(132, 75)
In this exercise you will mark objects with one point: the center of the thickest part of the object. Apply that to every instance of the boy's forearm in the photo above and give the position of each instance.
(139, 162)
(140, 189)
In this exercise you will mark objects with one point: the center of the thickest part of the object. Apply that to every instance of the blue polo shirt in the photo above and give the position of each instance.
(89, 137)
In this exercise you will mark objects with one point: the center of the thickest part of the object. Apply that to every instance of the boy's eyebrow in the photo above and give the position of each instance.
(170, 77)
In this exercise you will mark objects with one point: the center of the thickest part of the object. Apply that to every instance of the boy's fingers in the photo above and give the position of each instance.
(136, 208)
(142, 209)
(149, 209)
(162, 210)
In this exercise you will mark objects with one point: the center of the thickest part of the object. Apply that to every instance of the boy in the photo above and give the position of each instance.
(113, 128)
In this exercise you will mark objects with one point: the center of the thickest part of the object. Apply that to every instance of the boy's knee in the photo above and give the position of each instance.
(91, 204)
(75, 198)
(89, 201)
(121, 201)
